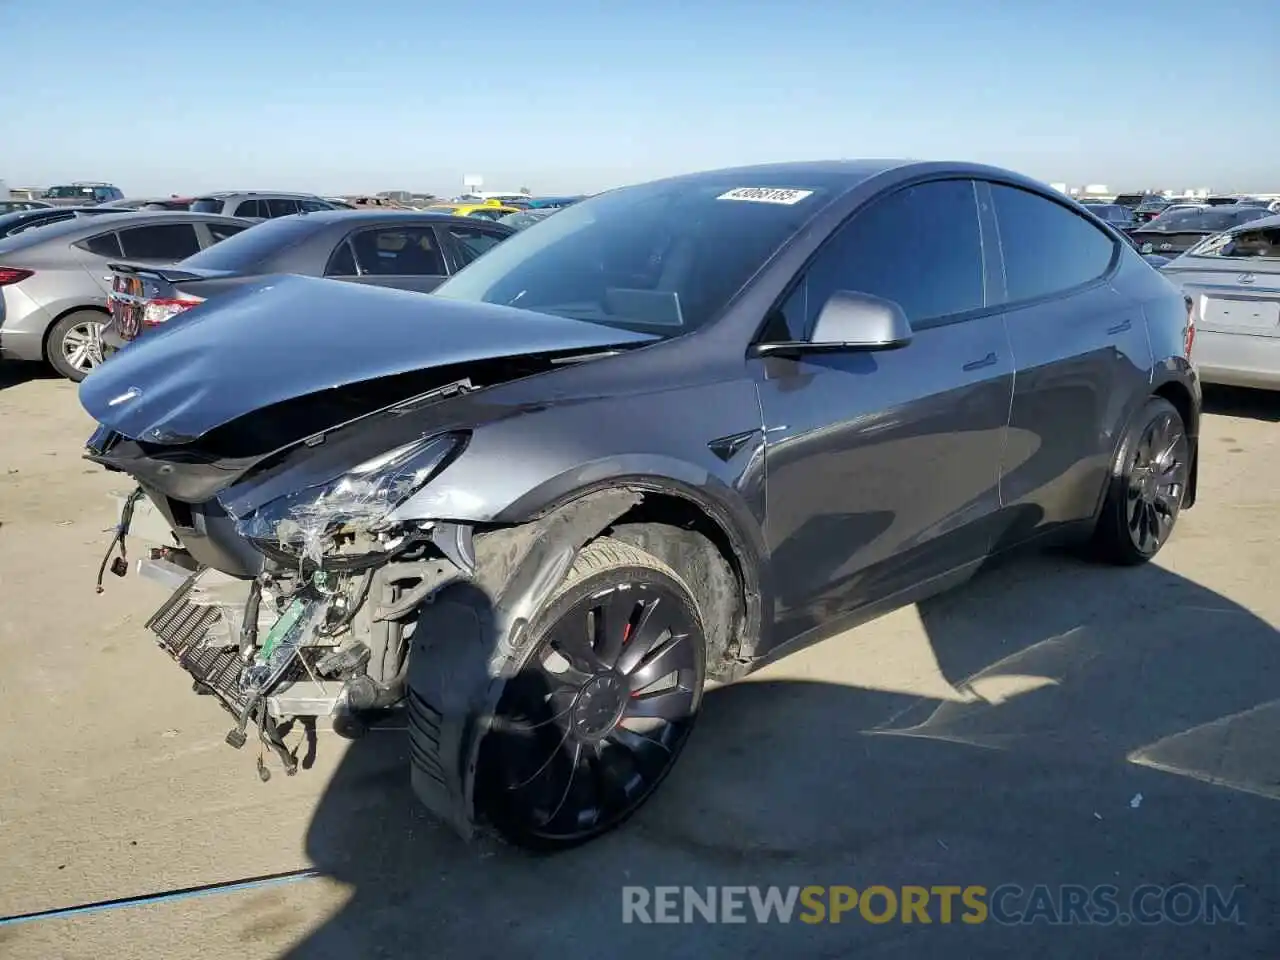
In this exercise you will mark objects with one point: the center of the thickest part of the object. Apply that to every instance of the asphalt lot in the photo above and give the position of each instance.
(998, 734)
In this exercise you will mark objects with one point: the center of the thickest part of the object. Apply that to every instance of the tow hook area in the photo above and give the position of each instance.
(469, 640)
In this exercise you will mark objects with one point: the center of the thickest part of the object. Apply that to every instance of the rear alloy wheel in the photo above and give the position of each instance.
(602, 705)
(75, 344)
(1148, 486)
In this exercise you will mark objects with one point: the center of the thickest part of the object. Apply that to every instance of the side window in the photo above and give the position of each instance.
(342, 263)
(920, 247)
(472, 241)
(162, 241)
(1047, 248)
(104, 245)
(281, 206)
(249, 208)
(312, 206)
(398, 251)
(220, 231)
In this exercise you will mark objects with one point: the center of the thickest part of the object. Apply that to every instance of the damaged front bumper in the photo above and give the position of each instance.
(438, 632)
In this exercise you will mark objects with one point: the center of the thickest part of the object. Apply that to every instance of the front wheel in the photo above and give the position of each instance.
(1147, 486)
(602, 705)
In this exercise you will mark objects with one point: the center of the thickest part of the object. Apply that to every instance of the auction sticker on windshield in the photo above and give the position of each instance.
(766, 195)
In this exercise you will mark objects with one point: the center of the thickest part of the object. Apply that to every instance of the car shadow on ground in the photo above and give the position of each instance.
(1098, 726)
(1241, 402)
(14, 373)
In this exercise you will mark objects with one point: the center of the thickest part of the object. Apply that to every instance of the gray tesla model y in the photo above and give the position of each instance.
(672, 431)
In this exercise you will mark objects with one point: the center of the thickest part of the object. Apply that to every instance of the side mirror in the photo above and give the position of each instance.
(850, 322)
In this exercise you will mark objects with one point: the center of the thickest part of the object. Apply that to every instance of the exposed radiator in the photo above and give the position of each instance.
(181, 628)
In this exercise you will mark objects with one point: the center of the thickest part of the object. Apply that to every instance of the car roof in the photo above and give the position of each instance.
(69, 231)
(223, 194)
(372, 215)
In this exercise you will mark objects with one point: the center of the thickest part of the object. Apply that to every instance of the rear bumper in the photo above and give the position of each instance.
(1238, 360)
(23, 324)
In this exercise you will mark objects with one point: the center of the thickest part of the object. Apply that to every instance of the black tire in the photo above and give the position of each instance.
(60, 355)
(1146, 488)
(563, 762)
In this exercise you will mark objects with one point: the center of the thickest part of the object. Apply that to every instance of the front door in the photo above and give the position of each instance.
(882, 468)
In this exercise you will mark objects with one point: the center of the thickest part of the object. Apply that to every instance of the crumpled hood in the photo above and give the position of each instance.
(290, 336)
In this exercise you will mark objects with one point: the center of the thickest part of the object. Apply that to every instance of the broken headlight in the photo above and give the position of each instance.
(348, 518)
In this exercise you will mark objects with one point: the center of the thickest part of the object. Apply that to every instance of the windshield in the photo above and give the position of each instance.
(250, 248)
(1146, 206)
(206, 205)
(665, 256)
(69, 193)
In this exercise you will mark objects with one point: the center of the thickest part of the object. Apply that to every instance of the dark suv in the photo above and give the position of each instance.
(82, 193)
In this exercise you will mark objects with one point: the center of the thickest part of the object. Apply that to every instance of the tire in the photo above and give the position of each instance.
(65, 344)
(1146, 488)
(589, 726)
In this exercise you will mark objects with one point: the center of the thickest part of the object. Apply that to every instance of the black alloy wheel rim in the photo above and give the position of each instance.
(590, 726)
(1157, 481)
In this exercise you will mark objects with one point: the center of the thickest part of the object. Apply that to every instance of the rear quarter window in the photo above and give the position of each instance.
(104, 245)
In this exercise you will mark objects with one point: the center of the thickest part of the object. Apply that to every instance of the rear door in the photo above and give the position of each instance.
(1234, 281)
(1081, 355)
(883, 467)
(404, 256)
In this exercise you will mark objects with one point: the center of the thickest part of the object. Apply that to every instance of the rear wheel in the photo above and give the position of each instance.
(1148, 483)
(602, 705)
(75, 344)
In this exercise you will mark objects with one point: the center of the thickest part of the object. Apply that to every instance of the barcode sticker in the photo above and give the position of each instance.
(766, 195)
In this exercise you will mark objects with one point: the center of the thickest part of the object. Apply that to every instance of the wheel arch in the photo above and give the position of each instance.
(62, 314)
(472, 638)
(1184, 401)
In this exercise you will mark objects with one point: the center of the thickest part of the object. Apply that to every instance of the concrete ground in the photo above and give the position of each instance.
(1050, 723)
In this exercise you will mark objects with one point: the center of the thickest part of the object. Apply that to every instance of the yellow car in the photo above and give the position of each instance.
(489, 210)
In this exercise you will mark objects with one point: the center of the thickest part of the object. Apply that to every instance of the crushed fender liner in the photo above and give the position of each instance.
(471, 638)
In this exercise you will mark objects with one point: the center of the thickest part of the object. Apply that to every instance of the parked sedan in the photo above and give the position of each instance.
(532, 507)
(1118, 215)
(1176, 232)
(1234, 279)
(54, 280)
(20, 221)
(385, 248)
(15, 206)
(152, 203)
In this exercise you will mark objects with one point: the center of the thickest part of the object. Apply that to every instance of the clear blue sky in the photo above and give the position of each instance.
(575, 95)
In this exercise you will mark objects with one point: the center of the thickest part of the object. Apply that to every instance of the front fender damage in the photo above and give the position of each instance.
(471, 638)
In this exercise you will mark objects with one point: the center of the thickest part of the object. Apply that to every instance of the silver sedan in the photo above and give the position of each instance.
(1233, 279)
(54, 279)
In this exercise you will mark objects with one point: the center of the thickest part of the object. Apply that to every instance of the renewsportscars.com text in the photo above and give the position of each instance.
(1008, 904)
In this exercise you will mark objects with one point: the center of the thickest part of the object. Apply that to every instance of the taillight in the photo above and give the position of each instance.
(1189, 332)
(156, 312)
(10, 275)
